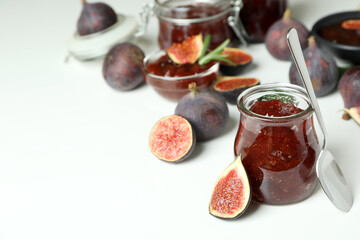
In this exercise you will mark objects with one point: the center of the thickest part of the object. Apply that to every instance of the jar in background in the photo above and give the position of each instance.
(278, 143)
(258, 15)
(181, 19)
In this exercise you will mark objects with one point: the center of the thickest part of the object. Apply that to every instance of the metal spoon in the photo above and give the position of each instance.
(330, 176)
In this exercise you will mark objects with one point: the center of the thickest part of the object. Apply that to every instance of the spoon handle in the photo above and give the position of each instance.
(296, 52)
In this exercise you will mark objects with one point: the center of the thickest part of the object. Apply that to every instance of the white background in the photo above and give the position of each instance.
(74, 156)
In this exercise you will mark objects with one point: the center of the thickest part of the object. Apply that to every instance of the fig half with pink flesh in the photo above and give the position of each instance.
(238, 57)
(172, 139)
(188, 51)
(232, 192)
(230, 87)
(352, 24)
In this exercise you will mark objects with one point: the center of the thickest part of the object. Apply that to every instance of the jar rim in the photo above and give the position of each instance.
(159, 8)
(161, 52)
(281, 87)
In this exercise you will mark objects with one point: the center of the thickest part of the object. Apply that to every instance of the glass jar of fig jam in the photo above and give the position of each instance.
(181, 19)
(278, 143)
(258, 15)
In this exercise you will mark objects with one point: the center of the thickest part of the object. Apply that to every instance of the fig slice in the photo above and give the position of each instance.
(352, 24)
(172, 139)
(238, 57)
(230, 87)
(232, 192)
(354, 113)
(188, 51)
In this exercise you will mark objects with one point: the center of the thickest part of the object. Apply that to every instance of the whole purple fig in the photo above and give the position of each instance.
(123, 66)
(322, 69)
(95, 17)
(207, 112)
(349, 87)
(275, 39)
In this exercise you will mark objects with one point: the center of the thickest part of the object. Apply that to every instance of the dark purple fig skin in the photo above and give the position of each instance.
(322, 69)
(233, 70)
(349, 87)
(95, 17)
(123, 66)
(207, 112)
(275, 39)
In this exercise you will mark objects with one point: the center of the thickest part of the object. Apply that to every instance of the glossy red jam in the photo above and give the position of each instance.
(279, 156)
(258, 15)
(172, 30)
(171, 80)
(164, 66)
(337, 34)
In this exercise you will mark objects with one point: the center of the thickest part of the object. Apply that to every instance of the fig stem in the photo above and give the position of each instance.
(83, 1)
(192, 88)
(347, 114)
(311, 41)
(287, 14)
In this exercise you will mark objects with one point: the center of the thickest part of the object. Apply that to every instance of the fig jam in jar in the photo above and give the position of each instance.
(277, 142)
(181, 19)
(258, 15)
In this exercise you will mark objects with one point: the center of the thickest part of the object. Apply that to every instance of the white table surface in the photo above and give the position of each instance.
(74, 156)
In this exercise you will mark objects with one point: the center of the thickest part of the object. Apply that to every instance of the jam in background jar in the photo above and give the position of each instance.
(181, 19)
(258, 15)
(277, 143)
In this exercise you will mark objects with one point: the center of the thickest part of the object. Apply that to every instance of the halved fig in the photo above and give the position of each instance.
(240, 58)
(352, 24)
(354, 113)
(232, 192)
(230, 87)
(172, 139)
(188, 51)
